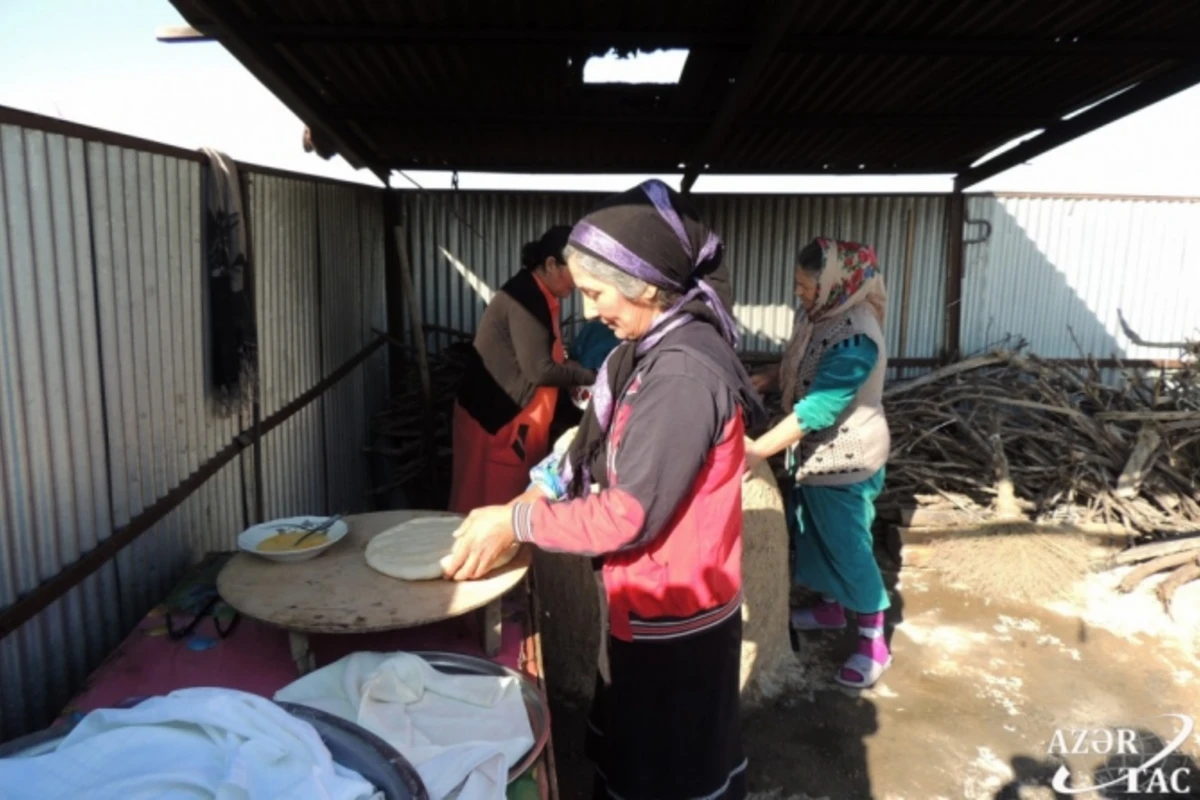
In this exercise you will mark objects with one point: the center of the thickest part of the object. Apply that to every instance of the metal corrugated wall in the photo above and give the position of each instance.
(318, 251)
(54, 491)
(463, 246)
(373, 287)
(103, 400)
(763, 234)
(1056, 270)
(466, 244)
(103, 405)
(342, 336)
(283, 222)
(146, 233)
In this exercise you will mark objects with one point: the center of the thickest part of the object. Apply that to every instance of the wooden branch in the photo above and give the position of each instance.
(1139, 574)
(943, 373)
(1129, 484)
(1150, 416)
(1185, 574)
(1138, 340)
(1006, 497)
(1144, 552)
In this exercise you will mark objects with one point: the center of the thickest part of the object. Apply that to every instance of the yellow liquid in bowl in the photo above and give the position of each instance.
(286, 542)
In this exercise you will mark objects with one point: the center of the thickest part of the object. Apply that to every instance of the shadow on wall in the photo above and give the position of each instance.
(1055, 271)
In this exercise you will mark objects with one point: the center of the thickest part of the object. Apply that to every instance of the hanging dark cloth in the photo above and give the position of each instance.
(232, 337)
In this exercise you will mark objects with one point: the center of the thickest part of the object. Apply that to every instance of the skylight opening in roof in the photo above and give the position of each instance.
(660, 67)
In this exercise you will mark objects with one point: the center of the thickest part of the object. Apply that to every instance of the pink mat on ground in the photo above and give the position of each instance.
(256, 658)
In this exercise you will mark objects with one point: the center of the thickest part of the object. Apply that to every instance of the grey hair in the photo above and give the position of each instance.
(630, 286)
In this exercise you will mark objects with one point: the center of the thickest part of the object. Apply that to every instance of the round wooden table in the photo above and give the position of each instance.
(337, 592)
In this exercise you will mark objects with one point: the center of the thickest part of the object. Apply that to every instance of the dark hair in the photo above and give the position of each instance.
(551, 245)
(812, 257)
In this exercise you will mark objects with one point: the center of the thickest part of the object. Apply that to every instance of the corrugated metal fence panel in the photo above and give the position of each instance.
(283, 221)
(162, 424)
(374, 297)
(1056, 270)
(763, 234)
(104, 406)
(342, 313)
(54, 493)
(466, 244)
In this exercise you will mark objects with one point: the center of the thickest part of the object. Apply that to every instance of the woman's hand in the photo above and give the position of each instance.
(753, 458)
(484, 536)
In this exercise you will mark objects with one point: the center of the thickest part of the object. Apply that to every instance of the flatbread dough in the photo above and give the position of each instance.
(415, 550)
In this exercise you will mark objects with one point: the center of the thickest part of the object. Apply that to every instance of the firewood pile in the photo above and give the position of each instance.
(1010, 436)
(1077, 449)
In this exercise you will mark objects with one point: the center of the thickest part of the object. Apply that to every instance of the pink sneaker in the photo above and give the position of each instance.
(821, 617)
(872, 657)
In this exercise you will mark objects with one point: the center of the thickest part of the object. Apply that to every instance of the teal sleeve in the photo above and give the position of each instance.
(842, 371)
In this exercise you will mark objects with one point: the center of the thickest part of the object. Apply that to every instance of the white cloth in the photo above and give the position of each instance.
(461, 732)
(193, 743)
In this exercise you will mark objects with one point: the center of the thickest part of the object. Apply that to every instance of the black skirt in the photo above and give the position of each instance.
(668, 727)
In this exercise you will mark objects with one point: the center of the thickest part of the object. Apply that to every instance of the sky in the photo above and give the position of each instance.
(98, 63)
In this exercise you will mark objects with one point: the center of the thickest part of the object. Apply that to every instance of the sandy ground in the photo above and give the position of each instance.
(971, 706)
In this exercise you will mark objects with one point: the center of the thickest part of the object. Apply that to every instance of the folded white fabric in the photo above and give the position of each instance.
(461, 732)
(193, 743)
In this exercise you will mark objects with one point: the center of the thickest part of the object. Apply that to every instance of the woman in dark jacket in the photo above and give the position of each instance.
(507, 397)
(652, 487)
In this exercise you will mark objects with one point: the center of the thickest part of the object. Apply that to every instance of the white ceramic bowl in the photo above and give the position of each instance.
(250, 538)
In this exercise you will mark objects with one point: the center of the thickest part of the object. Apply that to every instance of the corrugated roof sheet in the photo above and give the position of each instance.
(899, 86)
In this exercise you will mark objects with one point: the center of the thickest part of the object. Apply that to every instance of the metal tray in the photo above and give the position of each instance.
(350, 745)
(535, 703)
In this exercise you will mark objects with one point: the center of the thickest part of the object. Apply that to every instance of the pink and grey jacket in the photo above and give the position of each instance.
(668, 522)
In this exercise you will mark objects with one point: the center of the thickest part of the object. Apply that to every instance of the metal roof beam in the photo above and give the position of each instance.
(773, 24)
(402, 160)
(1143, 94)
(1062, 46)
(258, 56)
(816, 121)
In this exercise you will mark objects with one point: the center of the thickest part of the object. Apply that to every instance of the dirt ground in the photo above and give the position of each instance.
(972, 704)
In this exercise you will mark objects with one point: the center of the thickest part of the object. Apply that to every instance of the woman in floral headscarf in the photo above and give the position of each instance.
(837, 445)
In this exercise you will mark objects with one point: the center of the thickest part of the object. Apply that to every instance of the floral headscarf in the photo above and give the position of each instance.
(850, 276)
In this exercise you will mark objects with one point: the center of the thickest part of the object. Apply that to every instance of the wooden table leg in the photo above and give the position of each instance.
(301, 654)
(491, 622)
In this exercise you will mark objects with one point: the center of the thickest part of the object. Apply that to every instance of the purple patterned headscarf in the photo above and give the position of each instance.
(651, 233)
